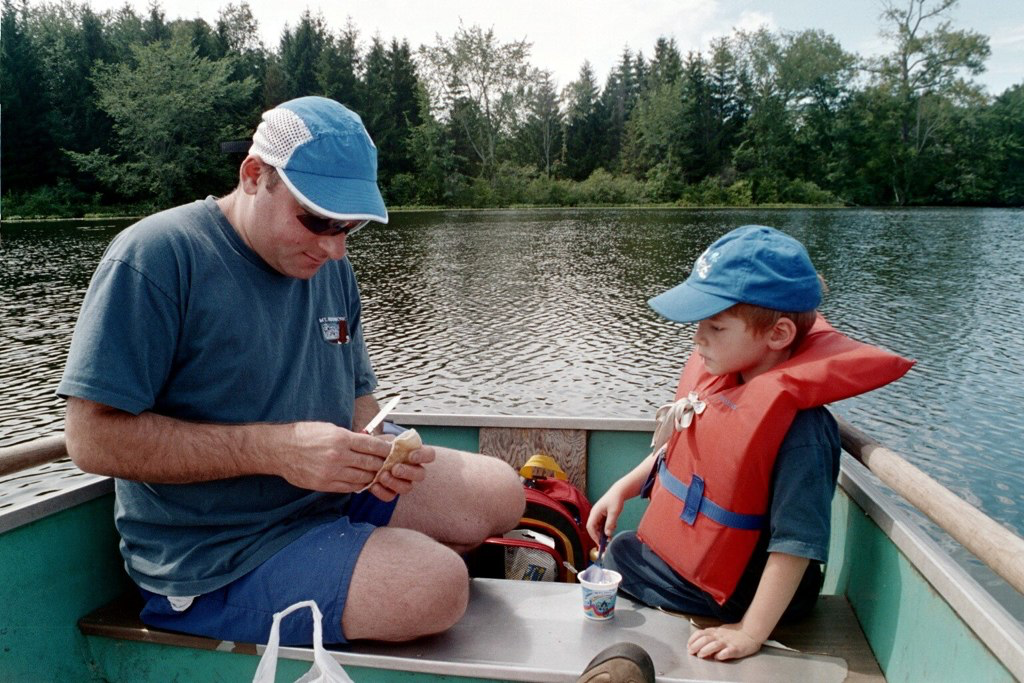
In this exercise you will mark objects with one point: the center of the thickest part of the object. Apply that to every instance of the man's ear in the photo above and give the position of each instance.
(249, 173)
(781, 334)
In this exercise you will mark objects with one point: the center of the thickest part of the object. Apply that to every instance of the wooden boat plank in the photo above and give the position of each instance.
(516, 445)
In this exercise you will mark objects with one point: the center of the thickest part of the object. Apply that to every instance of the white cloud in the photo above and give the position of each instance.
(1008, 36)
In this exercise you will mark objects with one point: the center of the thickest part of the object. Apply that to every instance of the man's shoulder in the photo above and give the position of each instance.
(151, 237)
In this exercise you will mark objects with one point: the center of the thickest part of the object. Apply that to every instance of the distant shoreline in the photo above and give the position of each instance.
(520, 207)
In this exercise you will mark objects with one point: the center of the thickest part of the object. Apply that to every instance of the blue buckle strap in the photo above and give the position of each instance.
(695, 503)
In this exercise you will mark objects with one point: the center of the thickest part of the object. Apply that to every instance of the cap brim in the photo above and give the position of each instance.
(687, 304)
(342, 198)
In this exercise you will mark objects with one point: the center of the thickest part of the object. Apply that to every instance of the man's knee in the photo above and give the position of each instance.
(451, 598)
(437, 596)
(509, 498)
(405, 585)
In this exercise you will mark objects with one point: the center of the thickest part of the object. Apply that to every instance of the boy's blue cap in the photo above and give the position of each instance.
(325, 156)
(754, 265)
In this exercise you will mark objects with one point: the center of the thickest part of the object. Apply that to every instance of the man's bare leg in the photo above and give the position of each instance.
(464, 498)
(404, 585)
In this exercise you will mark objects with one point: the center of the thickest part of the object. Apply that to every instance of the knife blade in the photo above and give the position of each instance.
(379, 417)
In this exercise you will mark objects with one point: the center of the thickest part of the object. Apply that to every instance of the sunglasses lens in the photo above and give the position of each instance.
(314, 224)
(328, 226)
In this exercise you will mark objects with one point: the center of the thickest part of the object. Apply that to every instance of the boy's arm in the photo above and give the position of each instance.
(604, 515)
(781, 577)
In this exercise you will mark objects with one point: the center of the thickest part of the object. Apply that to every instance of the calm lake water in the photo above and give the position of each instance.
(543, 312)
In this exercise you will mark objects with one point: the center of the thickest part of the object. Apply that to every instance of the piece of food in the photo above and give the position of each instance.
(403, 445)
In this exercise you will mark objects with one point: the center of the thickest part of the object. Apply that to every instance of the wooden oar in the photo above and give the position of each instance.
(37, 452)
(993, 544)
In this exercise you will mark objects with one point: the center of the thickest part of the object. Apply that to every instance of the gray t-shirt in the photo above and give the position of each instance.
(183, 319)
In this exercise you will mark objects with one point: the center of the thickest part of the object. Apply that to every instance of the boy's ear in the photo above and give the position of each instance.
(781, 334)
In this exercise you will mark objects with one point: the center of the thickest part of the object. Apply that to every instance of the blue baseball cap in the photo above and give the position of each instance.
(325, 156)
(753, 264)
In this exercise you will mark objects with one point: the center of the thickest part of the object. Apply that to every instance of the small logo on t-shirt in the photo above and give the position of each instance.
(335, 330)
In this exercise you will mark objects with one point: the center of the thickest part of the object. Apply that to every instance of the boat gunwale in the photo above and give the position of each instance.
(605, 424)
(995, 627)
(22, 514)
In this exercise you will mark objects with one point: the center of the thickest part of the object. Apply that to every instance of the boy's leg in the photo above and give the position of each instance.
(464, 498)
(647, 577)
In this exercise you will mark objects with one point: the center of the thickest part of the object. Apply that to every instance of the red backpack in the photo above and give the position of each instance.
(553, 530)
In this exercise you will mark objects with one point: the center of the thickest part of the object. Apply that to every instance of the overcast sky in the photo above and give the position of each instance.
(564, 33)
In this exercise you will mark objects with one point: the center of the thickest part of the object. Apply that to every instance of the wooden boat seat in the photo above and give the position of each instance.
(526, 631)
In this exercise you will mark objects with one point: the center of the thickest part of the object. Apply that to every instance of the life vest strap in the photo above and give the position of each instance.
(694, 503)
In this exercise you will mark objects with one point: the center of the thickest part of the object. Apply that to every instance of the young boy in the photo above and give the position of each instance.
(745, 461)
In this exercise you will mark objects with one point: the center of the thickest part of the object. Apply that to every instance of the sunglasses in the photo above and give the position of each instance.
(329, 226)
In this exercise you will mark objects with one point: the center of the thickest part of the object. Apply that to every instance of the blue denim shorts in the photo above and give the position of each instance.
(316, 566)
(649, 579)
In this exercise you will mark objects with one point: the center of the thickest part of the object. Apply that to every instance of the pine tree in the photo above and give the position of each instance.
(28, 152)
(584, 130)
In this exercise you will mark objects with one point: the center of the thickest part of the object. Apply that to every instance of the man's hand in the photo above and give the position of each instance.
(404, 476)
(330, 458)
(727, 641)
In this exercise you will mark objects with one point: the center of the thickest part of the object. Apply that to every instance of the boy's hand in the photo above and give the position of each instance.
(604, 515)
(727, 641)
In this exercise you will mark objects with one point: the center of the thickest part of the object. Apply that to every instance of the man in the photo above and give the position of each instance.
(218, 372)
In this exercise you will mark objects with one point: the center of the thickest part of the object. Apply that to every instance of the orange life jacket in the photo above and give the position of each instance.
(709, 502)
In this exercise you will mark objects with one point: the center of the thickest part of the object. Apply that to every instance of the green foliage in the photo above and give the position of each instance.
(548, 191)
(1004, 170)
(140, 102)
(653, 132)
(62, 200)
(712, 192)
(664, 183)
(439, 179)
(539, 140)
(481, 84)
(924, 75)
(300, 55)
(402, 190)
(171, 109)
(26, 147)
(584, 125)
(604, 188)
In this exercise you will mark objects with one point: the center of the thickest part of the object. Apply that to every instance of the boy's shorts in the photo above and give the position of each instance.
(316, 566)
(649, 579)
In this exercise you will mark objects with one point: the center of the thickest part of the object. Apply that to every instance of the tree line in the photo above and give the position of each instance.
(121, 111)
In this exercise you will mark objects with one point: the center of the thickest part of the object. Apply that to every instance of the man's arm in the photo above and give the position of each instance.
(148, 447)
(781, 577)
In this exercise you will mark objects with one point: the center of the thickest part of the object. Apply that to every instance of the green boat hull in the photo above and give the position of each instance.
(61, 562)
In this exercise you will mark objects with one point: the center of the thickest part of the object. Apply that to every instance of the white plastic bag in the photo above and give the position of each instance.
(324, 670)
